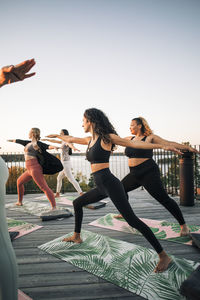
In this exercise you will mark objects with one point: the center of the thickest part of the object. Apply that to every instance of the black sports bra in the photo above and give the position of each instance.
(138, 153)
(96, 154)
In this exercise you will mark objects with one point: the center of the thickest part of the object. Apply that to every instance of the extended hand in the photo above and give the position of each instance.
(191, 149)
(10, 74)
(173, 149)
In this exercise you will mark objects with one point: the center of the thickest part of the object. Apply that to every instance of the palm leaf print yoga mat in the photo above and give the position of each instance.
(21, 226)
(34, 208)
(68, 200)
(162, 229)
(124, 264)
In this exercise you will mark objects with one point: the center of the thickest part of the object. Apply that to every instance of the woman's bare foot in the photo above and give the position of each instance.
(164, 261)
(81, 193)
(57, 195)
(19, 203)
(75, 238)
(184, 230)
(53, 208)
(118, 217)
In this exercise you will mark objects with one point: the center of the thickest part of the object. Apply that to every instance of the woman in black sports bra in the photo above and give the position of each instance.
(100, 145)
(145, 172)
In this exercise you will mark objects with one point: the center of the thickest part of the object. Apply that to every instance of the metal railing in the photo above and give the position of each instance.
(168, 163)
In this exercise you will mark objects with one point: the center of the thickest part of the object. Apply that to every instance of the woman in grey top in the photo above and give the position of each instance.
(67, 168)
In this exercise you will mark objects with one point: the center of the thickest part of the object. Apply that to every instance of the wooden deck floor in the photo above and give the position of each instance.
(42, 276)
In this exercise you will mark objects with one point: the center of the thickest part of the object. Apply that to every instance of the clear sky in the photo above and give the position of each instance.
(127, 57)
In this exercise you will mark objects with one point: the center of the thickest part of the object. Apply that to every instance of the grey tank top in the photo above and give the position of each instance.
(29, 150)
(64, 152)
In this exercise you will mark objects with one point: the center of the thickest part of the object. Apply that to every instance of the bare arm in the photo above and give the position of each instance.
(71, 139)
(115, 139)
(72, 147)
(52, 141)
(53, 147)
(158, 140)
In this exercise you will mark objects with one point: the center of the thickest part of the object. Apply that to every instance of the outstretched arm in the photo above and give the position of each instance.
(52, 141)
(115, 139)
(53, 147)
(59, 142)
(72, 147)
(71, 139)
(10, 74)
(158, 140)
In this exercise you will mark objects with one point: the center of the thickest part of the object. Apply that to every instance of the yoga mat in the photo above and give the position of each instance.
(68, 200)
(22, 296)
(34, 208)
(21, 226)
(162, 229)
(124, 264)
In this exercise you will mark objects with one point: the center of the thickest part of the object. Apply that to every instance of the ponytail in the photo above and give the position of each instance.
(146, 130)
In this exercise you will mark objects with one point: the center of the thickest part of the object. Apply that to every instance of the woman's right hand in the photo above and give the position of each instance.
(10, 74)
(12, 141)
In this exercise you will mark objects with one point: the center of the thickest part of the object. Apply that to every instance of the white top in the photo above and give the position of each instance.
(64, 152)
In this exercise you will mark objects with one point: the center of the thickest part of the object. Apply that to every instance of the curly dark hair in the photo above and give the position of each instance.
(102, 125)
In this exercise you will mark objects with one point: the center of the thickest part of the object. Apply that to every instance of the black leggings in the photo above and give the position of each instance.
(147, 175)
(107, 185)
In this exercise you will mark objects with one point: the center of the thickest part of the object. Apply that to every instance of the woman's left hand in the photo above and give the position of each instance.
(191, 149)
(171, 148)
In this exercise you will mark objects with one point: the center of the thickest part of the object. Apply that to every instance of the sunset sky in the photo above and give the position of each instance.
(127, 57)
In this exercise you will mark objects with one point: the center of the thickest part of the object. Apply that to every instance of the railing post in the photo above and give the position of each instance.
(186, 179)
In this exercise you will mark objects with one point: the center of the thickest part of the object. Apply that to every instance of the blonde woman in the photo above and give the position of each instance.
(145, 172)
(34, 170)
